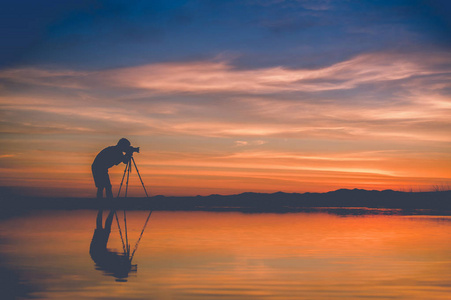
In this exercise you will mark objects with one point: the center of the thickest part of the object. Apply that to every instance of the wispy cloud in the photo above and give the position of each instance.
(223, 100)
(210, 77)
(214, 77)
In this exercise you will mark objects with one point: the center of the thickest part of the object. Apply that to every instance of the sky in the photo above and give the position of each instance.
(224, 97)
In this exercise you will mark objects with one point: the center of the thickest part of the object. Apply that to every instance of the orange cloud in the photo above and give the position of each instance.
(210, 76)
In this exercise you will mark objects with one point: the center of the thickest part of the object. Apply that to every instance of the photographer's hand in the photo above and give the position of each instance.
(127, 158)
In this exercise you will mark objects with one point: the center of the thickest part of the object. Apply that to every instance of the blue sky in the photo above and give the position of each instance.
(255, 33)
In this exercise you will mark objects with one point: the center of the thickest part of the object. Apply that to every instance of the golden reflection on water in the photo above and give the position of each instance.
(205, 255)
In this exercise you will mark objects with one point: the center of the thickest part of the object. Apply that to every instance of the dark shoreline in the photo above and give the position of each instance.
(342, 201)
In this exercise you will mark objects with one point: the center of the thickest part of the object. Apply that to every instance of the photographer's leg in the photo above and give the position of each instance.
(109, 192)
(109, 220)
(99, 219)
(99, 192)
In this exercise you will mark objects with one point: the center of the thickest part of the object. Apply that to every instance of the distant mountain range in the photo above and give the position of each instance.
(357, 200)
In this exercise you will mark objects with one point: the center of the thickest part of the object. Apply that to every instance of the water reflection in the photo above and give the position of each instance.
(113, 263)
(203, 255)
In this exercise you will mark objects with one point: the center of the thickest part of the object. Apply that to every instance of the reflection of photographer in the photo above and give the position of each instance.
(107, 158)
(112, 263)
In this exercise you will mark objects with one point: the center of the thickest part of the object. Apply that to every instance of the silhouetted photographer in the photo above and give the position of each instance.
(108, 157)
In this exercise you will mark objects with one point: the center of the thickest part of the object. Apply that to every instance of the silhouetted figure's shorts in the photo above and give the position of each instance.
(101, 178)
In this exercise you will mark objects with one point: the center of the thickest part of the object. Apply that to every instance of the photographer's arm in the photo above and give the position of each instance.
(121, 158)
(126, 158)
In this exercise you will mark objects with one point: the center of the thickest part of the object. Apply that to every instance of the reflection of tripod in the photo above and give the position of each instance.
(127, 170)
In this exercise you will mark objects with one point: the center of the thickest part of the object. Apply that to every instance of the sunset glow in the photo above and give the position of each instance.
(294, 100)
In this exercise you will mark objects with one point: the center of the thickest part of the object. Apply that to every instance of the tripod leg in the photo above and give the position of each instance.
(128, 177)
(120, 232)
(127, 245)
(140, 177)
(122, 181)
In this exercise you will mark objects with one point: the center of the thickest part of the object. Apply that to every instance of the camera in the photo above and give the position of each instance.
(131, 150)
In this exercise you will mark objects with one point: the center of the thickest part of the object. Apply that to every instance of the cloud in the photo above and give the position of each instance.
(381, 95)
(250, 143)
(44, 77)
(215, 77)
(209, 77)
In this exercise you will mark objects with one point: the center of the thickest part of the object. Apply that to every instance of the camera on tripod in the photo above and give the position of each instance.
(129, 161)
(131, 150)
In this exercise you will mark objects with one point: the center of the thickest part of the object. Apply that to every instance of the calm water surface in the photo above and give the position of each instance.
(204, 255)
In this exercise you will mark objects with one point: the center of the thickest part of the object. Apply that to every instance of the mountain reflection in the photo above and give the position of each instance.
(113, 263)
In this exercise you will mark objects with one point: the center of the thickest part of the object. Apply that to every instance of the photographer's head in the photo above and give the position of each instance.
(123, 144)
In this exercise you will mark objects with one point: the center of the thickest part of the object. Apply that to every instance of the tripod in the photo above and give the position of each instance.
(127, 170)
(125, 242)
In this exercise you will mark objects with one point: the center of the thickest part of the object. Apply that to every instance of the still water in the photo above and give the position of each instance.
(207, 255)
